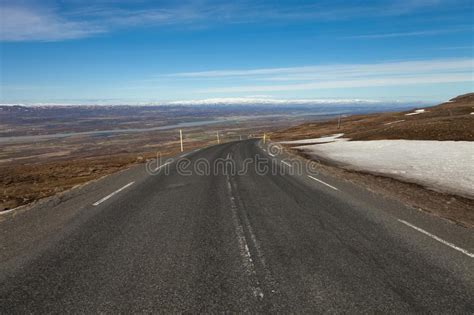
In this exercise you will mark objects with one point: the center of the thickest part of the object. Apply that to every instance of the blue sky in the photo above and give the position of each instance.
(108, 51)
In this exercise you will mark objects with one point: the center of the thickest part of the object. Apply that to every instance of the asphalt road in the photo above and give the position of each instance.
(270, 239)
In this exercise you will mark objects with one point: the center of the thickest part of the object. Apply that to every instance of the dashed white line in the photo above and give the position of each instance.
(438, 239)
(162, 166)
(112, 194)
(324, 183)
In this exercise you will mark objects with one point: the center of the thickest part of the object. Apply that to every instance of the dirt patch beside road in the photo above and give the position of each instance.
(23, 184)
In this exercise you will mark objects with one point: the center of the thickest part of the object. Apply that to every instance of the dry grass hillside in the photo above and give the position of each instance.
(448, 121)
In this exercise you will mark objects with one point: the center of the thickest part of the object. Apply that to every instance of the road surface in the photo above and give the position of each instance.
(259, 241)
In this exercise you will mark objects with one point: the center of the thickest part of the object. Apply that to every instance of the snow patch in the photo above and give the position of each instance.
(446, 166)
(416, 112)
(326, 139)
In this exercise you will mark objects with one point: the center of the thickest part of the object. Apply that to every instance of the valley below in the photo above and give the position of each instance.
(49, 149)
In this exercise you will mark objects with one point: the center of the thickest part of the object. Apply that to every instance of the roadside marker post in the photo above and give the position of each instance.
(181, 139)
(264, 137)
(218, 139)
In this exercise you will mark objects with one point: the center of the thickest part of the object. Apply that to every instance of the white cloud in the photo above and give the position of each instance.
(401, 67)
(337, 84)
(332, 76)
(34, 23)
(23, 23)
(258, 83)
(411, 33)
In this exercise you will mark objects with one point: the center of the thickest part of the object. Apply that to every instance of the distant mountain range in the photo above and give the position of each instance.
(230, 101)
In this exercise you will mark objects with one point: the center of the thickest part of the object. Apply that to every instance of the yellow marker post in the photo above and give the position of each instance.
(264, 137)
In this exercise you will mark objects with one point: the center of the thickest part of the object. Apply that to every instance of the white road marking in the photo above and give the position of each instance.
(438, 239)
(286, 163)
(162, 166)
(324, 183)
(112, 194)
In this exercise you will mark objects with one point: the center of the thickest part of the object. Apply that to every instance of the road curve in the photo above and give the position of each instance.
(267, 239)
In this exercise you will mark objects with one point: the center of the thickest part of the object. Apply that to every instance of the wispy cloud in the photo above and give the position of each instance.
(335, 76)
(25, 23)
(338, 84)
(42, 21)
(411, 33)
(471, 47)
(37, 23)
(405, 67)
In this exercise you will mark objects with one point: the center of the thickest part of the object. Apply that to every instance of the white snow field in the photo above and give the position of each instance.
(446, 166)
